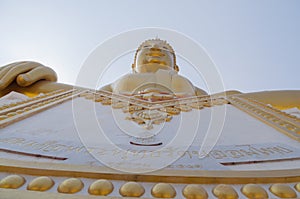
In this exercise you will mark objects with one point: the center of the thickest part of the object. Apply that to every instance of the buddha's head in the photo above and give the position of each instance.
(152, 55)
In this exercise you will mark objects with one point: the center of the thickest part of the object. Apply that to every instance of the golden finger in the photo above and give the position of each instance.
(38, 73)
(11, 75)
(6, 68)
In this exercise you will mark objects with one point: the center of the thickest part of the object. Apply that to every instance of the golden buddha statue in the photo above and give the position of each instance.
(154, 72)
(49, 150)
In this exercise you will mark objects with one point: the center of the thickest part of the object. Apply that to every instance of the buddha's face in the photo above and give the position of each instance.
(154, 55)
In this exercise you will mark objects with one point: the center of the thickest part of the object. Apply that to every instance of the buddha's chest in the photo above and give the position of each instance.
(162, 83)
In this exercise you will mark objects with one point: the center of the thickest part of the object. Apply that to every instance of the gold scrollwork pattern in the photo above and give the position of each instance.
(285, 123)
(149, 113)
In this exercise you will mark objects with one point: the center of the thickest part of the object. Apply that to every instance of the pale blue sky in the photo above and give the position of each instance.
(255, 44)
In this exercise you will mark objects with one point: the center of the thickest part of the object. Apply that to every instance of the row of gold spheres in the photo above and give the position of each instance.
(159, 190)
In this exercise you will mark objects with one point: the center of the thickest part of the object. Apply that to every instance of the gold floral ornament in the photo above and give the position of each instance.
(149, 108)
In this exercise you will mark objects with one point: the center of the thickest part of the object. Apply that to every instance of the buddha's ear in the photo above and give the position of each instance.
(132, 67)
(176, 68)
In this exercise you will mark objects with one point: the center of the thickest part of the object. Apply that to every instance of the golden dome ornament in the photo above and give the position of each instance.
(132, 189)
(254, 191)
(42, 183)
(12, 182)
(194, 191)
(283, 191)
(223, 191)
(101, 188)
(71, 185)
(163, 190)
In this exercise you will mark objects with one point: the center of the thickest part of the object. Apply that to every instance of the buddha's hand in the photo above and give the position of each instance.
(25, 73)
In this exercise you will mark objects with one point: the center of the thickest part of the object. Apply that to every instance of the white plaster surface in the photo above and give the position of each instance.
(53, 133)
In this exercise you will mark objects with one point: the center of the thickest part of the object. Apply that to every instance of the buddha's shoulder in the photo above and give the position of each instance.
(180, 79)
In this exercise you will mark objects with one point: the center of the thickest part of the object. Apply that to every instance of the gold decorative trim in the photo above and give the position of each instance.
(170, 176)
(74, 187)
(149, 113)
(22, 104)
(283, 122)
(18, 111)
